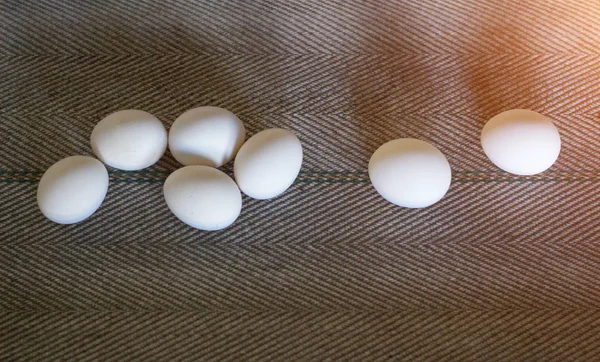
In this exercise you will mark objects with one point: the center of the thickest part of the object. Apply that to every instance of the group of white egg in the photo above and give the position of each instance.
(413, 173)
(407, 172)
(202, 139)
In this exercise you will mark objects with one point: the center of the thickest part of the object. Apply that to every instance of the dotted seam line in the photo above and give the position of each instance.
(308, 173)
(343, 181)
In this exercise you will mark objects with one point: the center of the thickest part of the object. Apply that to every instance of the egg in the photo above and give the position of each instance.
(203, 197)
(207, 136)
(410, 173)
(129, 140)
(72, 189)
(268, 163)
(521, 141)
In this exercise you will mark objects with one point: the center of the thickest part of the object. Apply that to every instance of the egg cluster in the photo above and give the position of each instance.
(202, 139)
(406, 172)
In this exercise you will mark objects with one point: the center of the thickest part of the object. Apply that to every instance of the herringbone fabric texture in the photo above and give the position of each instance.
(504, 268)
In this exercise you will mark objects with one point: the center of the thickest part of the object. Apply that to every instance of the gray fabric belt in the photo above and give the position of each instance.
(503, 268)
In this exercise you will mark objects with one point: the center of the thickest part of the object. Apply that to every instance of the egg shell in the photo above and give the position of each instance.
(208, 136)
(521, 142)
(129, 140)
(72, 189)
(203, 197)
(410, 173)
(268, 163)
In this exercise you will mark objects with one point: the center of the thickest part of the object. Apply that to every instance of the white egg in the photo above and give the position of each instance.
(72, 189)
(268, 163)
(521, 142)
(410, 173)
(203, 197)
(208, 136)
(129, 140)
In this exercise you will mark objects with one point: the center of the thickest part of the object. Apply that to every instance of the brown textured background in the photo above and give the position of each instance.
(503, 268)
